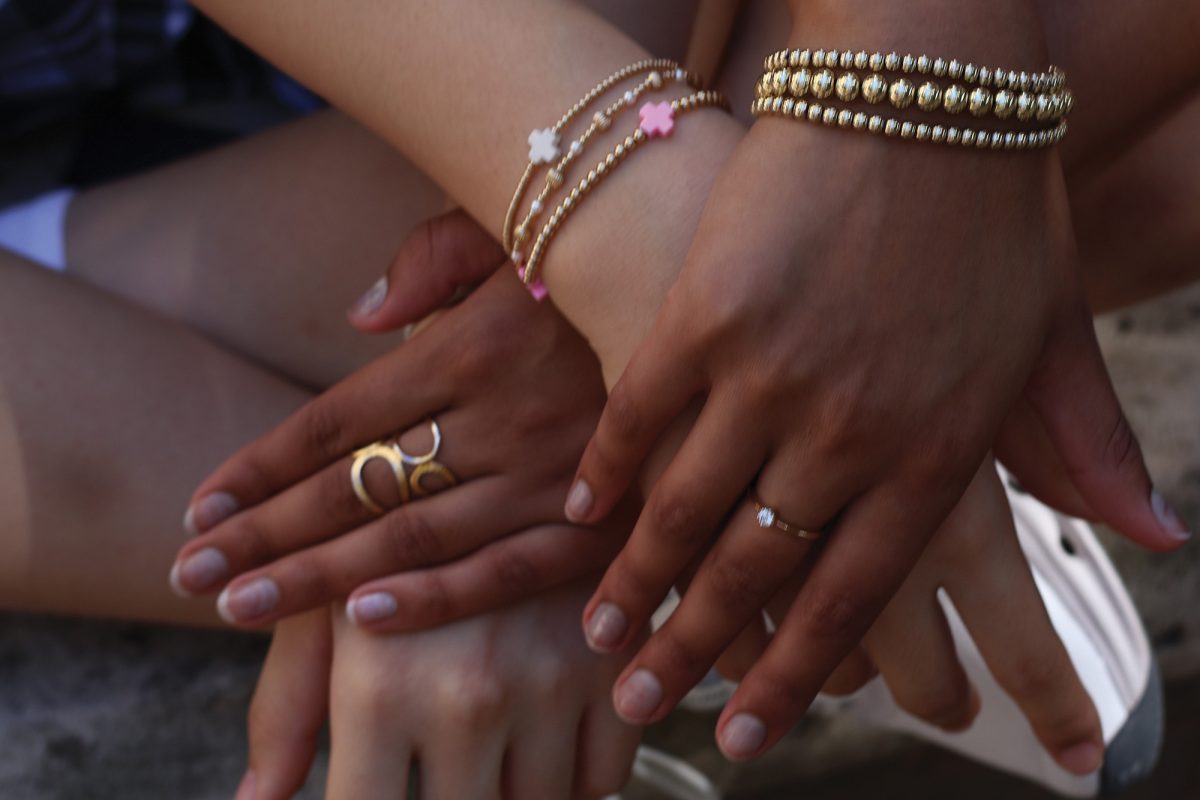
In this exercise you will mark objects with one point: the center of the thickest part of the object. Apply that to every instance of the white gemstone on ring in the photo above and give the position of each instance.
(766, 517)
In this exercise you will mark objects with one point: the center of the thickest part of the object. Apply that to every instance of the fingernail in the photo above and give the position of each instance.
(246, 789)
(743, 736)
(639, 696)
(579, 501)
(606, 628)
(370, 302)
(1082, 758)
(370, 608)
(208, 512)
(249, 601)
(1171, 524)
(199, 571)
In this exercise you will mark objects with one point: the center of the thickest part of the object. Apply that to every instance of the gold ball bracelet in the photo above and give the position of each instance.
(544, 142)
(656, 120)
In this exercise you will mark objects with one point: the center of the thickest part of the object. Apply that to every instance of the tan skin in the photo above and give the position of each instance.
(70, 590)
(590, 299)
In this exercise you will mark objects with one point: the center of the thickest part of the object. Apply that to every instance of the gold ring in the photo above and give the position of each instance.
(414, 461)
(768, 518)
(433, 468)
(362, 458)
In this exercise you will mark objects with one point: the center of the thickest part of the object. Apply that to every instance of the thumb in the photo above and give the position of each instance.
(1071, 392)
(438, 258)
(289, 707)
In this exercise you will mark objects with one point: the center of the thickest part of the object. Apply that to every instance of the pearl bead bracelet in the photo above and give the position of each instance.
(840, 117)
(544, 142)
(657, 120)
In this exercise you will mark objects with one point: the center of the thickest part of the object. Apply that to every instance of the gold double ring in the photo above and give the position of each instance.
(768, 517)
(410, 485)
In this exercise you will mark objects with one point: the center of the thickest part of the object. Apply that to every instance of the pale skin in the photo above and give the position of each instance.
(1118, 487)
(65, 576)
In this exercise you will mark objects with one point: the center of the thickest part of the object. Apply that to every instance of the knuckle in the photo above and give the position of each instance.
(786, 693)
(305, 580)
(515, 571)
(676, 520)
(622, 418)
(637, 586)
(252, 539)
(834, 616)
(322, 431)
(676, 659)
(736, 583)
(409, 539)
(472, 697)
(1121, 448)
(1035, 677)
(431, 604)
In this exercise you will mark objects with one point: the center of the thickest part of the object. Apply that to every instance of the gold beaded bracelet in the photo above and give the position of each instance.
(1026, 106)
(1052, 80)
(657, 120)
(543, 143)
(834, 116)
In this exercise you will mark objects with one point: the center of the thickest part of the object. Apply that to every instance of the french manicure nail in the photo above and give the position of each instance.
(743, 736)
(199, 571)
(639, 696)
(208, 512)
(606, 628)
(249, 601)
(371, 608)
(1082, 758)
(372, 299)
(247, 789)
(1171, 524)
(579, 501)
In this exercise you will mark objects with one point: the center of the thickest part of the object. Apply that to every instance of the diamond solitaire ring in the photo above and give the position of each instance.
(768, 518)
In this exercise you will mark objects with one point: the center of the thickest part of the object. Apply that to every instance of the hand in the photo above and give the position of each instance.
(515, 392)
(976, 559)
(514, 695)
(852, 376)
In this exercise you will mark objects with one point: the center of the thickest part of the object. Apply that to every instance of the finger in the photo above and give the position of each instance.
(391, 394)
(1025, 449)
(682, 513)
(656, 386)
(541, 756)
(436, 259)
(370, 753)
(742, 652)
(607, 747)
(499, 574)
(320, 508)
(755, 555)
(433, 530)
(1071, 392)
(863, 563)
(999, 603)
(466, 764)
(855, 671)
(913, 648)
(289, 707)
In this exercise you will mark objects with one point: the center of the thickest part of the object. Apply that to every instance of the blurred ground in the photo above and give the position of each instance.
(96, 710)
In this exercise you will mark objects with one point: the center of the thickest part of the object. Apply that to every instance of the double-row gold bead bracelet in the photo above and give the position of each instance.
(1052, 80)
(820, 84)
(906, 129)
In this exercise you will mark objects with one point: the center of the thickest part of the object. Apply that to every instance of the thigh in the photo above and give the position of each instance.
(261, 245)
(109, 416)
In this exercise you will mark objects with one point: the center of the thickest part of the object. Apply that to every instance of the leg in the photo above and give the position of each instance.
(261, 245)
(109, 415)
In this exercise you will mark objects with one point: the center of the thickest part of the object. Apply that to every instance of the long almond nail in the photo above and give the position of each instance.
(200, 571)
(249, 601)
(372, 299)
(579, 501)
(1171, 524)
(208, 512)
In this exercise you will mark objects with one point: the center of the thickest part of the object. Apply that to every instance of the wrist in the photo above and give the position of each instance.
(1007, 34)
